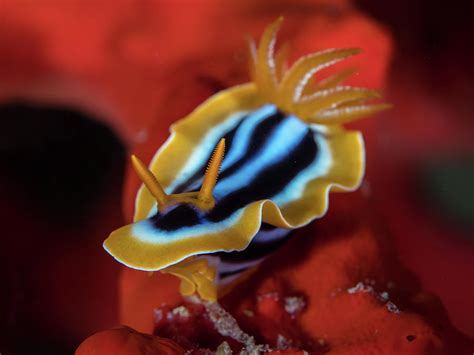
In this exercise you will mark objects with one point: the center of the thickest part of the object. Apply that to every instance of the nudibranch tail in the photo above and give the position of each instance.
(196, 276)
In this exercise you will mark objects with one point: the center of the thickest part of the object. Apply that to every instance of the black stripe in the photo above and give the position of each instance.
(177, 217)
(199, 174)
(257, 142)
(254, 251)
(268, 182)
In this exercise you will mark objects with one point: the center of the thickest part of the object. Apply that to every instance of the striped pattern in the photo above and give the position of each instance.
(269, 156)
(267, 240)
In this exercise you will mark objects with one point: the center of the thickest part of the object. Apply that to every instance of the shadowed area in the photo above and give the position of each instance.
(59, 159)
(61, 180)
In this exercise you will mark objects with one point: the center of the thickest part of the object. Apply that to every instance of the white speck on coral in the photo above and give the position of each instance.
(224, 349)
(227, 326)
(180, 311)
(360, 287)
(382, 297)
(294, 305)
(392, 307)
(194, 299)
(282, 343)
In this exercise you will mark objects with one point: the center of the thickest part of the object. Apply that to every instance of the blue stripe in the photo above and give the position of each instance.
(288, 135)
(320, 166)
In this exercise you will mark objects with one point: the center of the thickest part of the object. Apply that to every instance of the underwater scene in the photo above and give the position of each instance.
(236, 177)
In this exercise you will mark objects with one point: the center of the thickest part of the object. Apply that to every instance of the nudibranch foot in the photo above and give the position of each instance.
(196, 275)
(286, 149)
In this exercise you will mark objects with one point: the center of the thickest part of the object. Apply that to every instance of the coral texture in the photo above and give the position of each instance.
(336, 287)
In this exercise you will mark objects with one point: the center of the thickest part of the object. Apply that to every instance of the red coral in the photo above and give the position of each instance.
(336, 286)
(126, 341)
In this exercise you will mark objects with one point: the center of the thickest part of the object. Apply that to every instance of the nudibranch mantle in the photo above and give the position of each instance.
(285, 150)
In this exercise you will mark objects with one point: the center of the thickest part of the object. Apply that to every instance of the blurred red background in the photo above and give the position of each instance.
(80, 84)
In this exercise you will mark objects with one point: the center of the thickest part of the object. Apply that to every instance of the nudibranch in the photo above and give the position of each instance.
(278, 146)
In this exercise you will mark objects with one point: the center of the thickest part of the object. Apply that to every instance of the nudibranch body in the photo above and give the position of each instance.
(285, 149)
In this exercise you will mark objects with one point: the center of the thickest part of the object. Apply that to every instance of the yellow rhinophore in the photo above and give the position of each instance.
(202, 199)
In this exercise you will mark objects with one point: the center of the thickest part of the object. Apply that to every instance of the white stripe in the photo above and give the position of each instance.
(270, 236)
(225, 266)
(145, 231)
(320, 166)
(288, 134)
